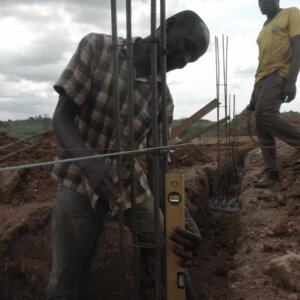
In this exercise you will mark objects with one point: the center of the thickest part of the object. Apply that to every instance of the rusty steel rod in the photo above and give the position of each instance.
(217, 58)
(136, 251)
(165, 129)
(155, 157)
(117, 132)
(163, 76)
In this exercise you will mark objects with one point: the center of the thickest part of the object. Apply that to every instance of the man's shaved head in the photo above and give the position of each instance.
(187, 39)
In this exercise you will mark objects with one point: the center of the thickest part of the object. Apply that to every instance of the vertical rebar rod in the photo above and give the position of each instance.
(217, 60)
(229, 139)
(155, 141)
(225, 97)
(235, 144)
(118, 141)
(130, 49)
(225, 64)
(165, 129)
(228, 122)
(163, 73)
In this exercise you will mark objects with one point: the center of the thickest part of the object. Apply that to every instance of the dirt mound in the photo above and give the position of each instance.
(34, 184)
(270, 228)
(190, 155)
(26, 201)
(6, 139)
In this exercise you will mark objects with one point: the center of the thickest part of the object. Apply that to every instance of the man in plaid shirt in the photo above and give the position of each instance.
(84, 124)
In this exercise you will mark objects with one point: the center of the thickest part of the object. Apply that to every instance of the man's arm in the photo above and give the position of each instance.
(98, 174)
(66, 132)
(289, 91)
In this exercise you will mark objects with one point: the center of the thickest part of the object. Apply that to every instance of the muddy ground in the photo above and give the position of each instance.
(232, 263)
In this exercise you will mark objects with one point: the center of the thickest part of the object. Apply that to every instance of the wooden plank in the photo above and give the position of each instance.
(187, 123)
(203, 130)
(175, 212)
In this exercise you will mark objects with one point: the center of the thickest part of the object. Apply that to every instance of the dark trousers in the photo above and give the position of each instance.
(75, 229)
(269, 123)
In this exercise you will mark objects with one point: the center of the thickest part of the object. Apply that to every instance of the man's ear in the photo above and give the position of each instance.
(170, 22)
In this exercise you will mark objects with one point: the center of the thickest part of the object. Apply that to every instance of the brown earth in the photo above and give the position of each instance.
(231, 263)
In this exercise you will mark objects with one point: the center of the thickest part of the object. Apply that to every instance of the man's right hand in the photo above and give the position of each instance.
(251, 105)
(100, 175)
(289, 91)
(103, 181)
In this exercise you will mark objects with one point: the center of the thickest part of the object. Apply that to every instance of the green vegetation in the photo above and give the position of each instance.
(39, 124)
(35, 125)
(26, 128)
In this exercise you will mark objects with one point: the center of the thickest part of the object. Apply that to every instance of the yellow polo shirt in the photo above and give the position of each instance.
(274, 42)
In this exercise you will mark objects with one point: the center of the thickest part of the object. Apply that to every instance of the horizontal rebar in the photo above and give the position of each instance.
(122, 153)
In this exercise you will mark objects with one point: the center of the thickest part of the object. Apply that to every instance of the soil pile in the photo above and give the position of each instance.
(241, 256)
(26, 201)
(6, 139)
(270, 230)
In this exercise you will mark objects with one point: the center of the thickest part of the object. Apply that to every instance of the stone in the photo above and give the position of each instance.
(293, 297)
(286, 270)
(9, 182)
(293, 208)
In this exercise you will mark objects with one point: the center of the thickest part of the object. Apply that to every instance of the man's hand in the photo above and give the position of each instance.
(251, 105)
(289, 91)
(103, 181)
(189, 239)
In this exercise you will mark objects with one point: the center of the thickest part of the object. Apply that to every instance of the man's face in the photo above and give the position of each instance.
(268, 6)
(185, 45)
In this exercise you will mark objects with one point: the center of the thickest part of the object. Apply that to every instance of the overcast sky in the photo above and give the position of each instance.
(39, 37)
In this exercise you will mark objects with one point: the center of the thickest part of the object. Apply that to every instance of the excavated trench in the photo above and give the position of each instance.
(25, 247)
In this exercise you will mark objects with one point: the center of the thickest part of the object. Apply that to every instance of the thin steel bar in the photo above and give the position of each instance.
(163, 75)
(155, 141)
(228, 123)
(111, 155)
(118, 142)
(229, 140)
(163, 71)
(234, 144)
(225, 96)
(218, 115)
(130, 49)
(165, 129)
(224, 51)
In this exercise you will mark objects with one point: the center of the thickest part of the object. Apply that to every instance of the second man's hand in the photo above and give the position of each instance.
(289, 91)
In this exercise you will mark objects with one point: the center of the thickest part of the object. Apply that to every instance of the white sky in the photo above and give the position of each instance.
(38, 38)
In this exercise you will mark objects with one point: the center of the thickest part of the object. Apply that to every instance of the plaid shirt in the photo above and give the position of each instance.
(87, 80)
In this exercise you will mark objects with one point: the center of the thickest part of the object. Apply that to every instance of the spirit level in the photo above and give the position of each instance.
(175, 208)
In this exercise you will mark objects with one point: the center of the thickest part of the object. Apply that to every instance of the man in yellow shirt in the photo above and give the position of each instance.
(276, 76)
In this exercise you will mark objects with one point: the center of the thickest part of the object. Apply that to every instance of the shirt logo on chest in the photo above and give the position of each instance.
(275, 28)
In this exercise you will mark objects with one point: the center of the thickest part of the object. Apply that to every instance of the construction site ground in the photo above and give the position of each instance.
(235, 260)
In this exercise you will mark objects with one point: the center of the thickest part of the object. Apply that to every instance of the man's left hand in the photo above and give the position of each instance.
(188, 240)
(289, 91)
